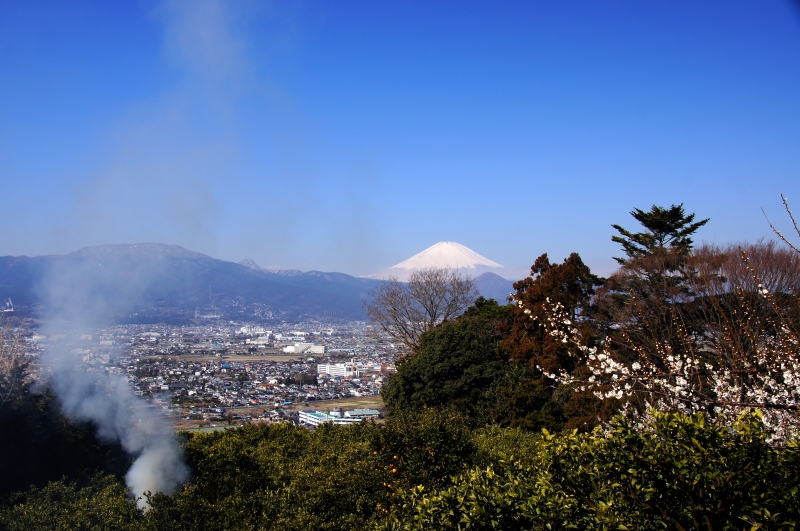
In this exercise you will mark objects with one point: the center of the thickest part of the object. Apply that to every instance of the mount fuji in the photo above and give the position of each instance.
(456, 256)
(447, 254)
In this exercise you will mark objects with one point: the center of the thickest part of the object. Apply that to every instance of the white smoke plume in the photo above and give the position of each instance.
(107, 402)
(79, 294)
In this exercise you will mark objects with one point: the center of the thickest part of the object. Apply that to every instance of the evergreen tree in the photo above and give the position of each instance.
(456, 364)
(657, 265)
(526, 397)
(640, 303)
(665, 228)
(570, 284)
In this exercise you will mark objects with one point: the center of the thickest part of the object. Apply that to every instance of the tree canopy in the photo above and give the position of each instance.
(570, 284)
(456, 363)
(664, 228)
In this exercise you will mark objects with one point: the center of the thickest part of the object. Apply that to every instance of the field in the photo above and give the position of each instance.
(268, 356)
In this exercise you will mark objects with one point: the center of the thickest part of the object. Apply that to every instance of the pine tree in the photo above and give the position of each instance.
(665, 228)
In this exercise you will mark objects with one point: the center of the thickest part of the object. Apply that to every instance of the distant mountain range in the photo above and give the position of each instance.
(153, 282)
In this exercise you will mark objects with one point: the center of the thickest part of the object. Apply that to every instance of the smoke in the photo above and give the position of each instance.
(107, 402)
(165, 167)
(159, 180)
(80, 294)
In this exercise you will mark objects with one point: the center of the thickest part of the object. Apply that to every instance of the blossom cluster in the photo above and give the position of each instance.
(752, 362)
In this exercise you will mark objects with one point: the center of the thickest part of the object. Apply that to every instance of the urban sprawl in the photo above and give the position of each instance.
(215, 375)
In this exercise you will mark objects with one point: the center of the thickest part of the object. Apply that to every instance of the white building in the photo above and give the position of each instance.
(252, 330)
(338, 369)
(315, 418)
(304, 348)
(264, 340)
(362, 413)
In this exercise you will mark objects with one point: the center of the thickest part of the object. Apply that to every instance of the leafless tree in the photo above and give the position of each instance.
(746, 266)
(431, 296)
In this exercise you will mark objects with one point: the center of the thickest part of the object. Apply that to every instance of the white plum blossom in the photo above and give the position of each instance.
(704, 376)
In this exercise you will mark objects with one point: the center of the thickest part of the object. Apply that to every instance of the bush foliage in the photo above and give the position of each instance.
(432, 472)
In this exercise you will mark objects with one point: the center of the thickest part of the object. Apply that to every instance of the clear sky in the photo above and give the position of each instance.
(348, 136)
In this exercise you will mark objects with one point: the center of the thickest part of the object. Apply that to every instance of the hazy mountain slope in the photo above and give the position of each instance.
(495, 287)
(115, 279)
(339, 284)
(19, 275)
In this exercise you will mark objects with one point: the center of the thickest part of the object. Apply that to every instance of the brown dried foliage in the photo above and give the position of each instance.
(571, 284)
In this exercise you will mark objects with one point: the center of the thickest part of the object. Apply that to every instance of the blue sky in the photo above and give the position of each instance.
(348, 136)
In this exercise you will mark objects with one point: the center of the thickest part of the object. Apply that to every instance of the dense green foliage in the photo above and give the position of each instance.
(457, 364)
(62, 506)
(285, 477)
(39, 444)
(680, 472)
(271, 477)
(431, 472)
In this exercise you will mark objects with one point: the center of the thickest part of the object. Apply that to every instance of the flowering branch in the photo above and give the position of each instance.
(714, 372)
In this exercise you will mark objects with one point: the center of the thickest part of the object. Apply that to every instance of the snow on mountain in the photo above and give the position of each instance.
(446, 254)
(442, 254)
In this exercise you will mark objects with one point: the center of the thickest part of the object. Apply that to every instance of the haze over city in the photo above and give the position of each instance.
(351, 136)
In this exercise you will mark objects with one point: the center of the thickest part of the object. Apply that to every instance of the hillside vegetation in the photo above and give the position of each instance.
(663, 397)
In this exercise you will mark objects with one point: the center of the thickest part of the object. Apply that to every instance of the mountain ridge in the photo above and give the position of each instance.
(169, 283)
(493, 286)
(175, 281)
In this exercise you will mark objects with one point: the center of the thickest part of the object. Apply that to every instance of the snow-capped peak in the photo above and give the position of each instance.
(447, 254)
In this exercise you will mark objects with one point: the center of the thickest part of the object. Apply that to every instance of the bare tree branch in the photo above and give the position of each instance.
(431, 296)
(794, 223)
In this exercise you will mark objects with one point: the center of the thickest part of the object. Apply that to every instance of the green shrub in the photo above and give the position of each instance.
(62, 506)
(675, 472)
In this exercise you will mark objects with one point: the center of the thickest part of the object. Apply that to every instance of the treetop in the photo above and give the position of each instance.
(664, 228)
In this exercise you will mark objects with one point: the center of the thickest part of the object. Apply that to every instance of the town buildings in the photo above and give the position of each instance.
(193, 371)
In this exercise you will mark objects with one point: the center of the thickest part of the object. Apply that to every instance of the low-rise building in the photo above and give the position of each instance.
(338, 369)
(362, 413)
(315, 418)
(304, 348)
